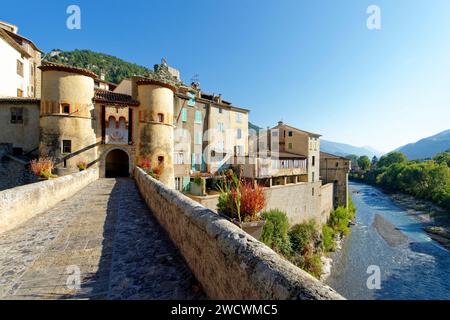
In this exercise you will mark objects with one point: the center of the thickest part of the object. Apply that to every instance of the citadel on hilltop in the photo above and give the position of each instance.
(72, 114)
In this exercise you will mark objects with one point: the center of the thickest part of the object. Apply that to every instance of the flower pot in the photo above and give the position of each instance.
(252, 228)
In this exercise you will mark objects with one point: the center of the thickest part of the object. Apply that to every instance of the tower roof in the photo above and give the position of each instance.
(52, 66)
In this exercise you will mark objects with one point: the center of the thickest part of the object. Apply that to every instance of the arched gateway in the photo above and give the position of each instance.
(117, 164)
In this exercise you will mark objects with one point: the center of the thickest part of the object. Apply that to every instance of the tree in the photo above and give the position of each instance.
(392, 158)
(374, 161)
(443, 157)
(354, 159)
(364, 163)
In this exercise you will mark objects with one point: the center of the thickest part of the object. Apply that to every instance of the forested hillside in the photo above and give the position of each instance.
(115, 69)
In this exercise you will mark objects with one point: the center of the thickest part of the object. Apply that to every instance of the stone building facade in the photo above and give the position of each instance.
(19, 62)
(335, 169)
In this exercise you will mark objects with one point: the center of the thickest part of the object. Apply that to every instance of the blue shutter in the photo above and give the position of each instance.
(184, 115)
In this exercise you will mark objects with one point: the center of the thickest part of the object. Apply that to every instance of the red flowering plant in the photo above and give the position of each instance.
(42, 167)
(240, 200)
(146, 165)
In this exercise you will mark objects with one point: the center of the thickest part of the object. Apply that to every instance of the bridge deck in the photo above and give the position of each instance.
(107, 233)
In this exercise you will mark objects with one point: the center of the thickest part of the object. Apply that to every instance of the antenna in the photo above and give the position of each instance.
(195, 79)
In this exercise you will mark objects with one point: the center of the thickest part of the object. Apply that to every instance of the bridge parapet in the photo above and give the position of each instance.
(19, 204)
(228, 262)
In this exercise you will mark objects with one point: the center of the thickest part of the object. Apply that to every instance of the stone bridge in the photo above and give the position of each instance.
(107, 233)
(80, 237)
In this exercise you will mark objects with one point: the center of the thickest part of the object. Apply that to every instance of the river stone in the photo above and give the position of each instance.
(388, 232)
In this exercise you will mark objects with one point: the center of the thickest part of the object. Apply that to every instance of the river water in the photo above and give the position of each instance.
(419, 269)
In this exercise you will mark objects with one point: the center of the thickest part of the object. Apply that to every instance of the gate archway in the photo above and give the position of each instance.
(117, 164)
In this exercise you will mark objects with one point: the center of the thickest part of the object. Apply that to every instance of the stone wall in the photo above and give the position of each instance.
(326, 201)
(22, 203)
(228, 263)
(297, 200)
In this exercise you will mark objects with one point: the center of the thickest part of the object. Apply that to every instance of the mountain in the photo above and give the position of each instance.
(427, 147)
(115, 69)
(342, 149)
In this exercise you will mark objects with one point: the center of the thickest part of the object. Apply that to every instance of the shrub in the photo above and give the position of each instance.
(339, 220)
(310, 262)
(275, 232)
(303, 237)
(42, 167)
(328, 235)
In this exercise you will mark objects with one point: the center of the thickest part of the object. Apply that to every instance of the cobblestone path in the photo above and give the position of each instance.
(107, 236)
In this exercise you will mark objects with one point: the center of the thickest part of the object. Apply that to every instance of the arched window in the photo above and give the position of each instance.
(112, 122)
(122, 123)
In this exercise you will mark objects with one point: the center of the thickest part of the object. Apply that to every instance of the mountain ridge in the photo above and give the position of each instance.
(427, 147)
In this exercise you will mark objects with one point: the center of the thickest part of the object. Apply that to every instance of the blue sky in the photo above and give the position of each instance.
(312, 64)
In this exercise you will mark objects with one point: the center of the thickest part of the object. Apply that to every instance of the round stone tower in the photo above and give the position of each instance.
(156, 129)
(67, 125)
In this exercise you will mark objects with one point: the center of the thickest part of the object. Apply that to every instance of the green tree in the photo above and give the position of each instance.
(392, 158)
(443, 157)
(354, 159)
(374, 161)
(364, 163)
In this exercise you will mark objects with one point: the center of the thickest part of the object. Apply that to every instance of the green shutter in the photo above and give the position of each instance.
(193, 161)
(184, 115)
(198, 116)
(186, 184)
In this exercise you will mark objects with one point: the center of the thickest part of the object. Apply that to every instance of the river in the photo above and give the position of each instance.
(417, 269)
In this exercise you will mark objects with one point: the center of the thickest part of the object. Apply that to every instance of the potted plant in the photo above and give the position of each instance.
(146, 165)
(42, 168)
(198, 186)
(82, 165)
(241, 202)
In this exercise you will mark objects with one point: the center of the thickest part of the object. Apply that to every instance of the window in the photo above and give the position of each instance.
(220, 110)
(160, 160)
(198, 116)
(160, 117)
(221, 126)
(66, 146)
(184, 115)
(32, 69)
(65, 108)
(220, 145)
(239, 133)
(337, 164)
(178, 183)
(275, 134)
(179, 158)
(20, 68)
(19, 92)
(239, 150)
(16, 115)
(313, 176)
(313, 192)
(290, 133)
(313, 161)
(198, 138)
(239, 117)
(191, 101)
(290, 145)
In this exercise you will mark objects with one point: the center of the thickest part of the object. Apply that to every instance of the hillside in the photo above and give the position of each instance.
(115, 69)
(342, 149)
(427, 147)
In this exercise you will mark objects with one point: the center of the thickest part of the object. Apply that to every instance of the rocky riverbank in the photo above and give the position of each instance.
(436, 219)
